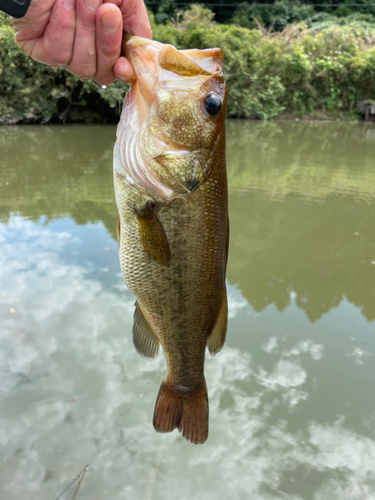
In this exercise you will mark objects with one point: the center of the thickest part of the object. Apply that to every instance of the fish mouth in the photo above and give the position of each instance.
(191, 62)
(154, 161)
(159, 64)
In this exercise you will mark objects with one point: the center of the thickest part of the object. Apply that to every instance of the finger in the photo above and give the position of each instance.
(55, 47)
(108, 42)
(33, 24)
(135, 18)
(124, 71)
(83, 62)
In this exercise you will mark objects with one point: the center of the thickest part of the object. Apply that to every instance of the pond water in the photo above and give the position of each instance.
(292, 400)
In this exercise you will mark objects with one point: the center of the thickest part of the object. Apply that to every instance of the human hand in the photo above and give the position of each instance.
(83, 36)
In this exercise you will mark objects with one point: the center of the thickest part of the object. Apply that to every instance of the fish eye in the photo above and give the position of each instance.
(212, 104)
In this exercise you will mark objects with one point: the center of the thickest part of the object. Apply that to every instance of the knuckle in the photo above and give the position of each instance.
(87, 23)
(59, 59)
(67, 25)
(129, 18)
(109, 52)
(58, 56)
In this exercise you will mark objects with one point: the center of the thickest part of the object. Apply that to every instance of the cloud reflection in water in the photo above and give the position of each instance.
(72, 385)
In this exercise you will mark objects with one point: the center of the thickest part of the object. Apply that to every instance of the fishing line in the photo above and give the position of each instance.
(79, 483)
(79, 476)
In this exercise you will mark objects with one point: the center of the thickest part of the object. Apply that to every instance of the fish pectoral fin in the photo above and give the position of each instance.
(144, 339)
(216, 338)
(153, 237)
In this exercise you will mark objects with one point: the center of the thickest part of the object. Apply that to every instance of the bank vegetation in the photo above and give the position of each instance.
(321, 67)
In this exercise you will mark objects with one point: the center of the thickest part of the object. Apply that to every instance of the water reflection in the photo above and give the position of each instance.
(323, 252)
(72, 386)
(57, 171)
(301, 203)
(302, 215)
(309, 160)
(291, 395)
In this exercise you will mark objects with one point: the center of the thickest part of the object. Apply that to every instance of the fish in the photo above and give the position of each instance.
(172, 219)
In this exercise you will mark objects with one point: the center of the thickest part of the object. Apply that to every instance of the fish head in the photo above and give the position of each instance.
(172, 119)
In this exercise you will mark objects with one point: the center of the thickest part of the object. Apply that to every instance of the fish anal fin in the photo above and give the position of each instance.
(152, 235)
(216, 338)
(144, 339)
(186, 411)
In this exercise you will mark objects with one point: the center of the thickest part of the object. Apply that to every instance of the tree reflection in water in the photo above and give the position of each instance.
(301, 203)
(291, 398)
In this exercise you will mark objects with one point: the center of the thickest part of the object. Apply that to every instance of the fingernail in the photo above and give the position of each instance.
(111, 21)
(92, 4)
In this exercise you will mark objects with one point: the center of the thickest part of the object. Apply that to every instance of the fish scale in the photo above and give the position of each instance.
(173, 248)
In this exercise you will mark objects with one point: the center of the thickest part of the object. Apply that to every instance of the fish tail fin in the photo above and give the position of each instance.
(186, 411)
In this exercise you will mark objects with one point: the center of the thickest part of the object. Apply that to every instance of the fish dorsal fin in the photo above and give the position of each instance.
(152, 235)
(173, 60)
(216, 338)
(144, 339)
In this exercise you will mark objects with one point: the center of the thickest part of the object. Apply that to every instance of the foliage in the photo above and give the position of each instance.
(302, 69)
(278, 15)
(320, 67)
(32, 92)
(269, 12)
(165, 11)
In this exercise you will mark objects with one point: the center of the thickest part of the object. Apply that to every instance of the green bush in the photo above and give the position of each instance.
(33, 92)
(299, 70)
(322, 67)
(276, 15)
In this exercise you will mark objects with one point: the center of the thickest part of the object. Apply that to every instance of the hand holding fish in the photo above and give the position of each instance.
(83, 36)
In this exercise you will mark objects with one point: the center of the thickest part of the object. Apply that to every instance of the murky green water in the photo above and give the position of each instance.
(292, 401)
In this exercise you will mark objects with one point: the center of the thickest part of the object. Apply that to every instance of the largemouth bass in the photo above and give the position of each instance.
(171, 194)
